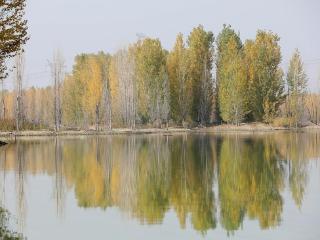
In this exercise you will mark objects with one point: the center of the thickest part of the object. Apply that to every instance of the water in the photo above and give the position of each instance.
(187, 186)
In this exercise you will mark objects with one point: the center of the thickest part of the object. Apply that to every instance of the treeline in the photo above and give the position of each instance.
(37, 109)
(203, 80)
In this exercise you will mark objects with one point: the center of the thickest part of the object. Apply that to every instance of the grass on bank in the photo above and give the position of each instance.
(8, 127)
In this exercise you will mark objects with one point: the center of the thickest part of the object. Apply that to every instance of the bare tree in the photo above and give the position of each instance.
(127, 87)
(312, 102)
(2, 103)
(19, 70)
(58, 72)
(107, 104)
(297, 83)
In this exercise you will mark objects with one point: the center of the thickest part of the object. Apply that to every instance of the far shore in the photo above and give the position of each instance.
(249, 128)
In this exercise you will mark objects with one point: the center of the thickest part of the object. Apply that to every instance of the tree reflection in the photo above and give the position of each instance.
(59, 186)
(192, 181)
(203, 178)
(20, 184)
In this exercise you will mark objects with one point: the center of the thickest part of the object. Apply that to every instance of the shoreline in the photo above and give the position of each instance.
(249, 128)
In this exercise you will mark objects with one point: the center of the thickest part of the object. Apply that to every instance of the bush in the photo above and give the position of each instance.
(5, 232)
(10, 125)
(7, 125)
(282, 122)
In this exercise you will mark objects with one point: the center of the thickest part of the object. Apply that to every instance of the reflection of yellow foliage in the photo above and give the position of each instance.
(145, 176)
(91, 190)
(115, 184)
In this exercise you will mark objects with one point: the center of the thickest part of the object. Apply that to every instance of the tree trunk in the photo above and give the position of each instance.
(97, 117)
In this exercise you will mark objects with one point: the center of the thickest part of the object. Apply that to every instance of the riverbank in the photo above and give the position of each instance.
(252, 127)
(92, 132)
(256, 127)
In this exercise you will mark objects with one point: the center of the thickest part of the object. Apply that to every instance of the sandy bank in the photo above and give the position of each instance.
(255, 127)
(92, 132)
(252, 127)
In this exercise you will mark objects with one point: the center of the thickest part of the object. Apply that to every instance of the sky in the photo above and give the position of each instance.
(78, 26)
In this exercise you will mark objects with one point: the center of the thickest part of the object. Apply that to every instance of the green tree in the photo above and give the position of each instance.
(200, 63)
(13, 35)
(231, 77)
(13, 31)
(297, 88)
(180, 84)
(266, 84)
(86, 92)
(152, 80)
(73, 92)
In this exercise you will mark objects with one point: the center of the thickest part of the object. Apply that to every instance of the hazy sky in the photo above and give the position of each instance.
(76, 26)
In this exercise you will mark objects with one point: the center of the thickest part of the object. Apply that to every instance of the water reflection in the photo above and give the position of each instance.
(205, 179)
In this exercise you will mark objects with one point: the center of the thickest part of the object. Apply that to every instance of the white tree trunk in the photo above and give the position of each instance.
(57, 71)
(19, 69)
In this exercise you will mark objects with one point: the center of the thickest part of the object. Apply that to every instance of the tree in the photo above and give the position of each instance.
(93, 93)
(74, 92)
(150, 59)
(13, 31)
(126, 82)
(2, 102)
(13, 35)
(312, 104)
(231, 77)
(297, 86)
(19, 69)
(200, 56)
(180, 84)
(165, 98)
(98, 88)
(57, 71)
(87, 92)
(72, 101)
(106, 91)
(266, 85)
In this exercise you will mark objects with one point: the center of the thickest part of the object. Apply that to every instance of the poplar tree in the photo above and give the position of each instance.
(297, 88)
(105, 102)
(125, 93)
(266, 84)
(19, 71)
(58, 73)
(231, 77)
(180, 84)
(74, 88)
(151, 74)
(200, 63)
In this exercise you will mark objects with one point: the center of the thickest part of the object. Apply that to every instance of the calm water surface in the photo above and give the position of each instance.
(189, 186)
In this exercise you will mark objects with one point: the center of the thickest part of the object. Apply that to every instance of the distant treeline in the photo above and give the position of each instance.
(203, 80)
